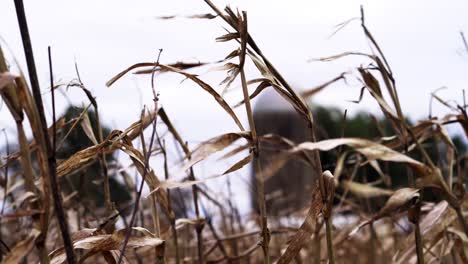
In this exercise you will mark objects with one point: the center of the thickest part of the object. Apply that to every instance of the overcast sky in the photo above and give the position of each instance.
(421, 40)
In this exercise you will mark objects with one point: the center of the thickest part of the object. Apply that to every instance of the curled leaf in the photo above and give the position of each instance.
(96, 243)
(212, 146)
(21, 249)
(364, 190)
(400, 201)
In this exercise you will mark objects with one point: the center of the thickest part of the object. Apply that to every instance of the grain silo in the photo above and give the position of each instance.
(289, 189)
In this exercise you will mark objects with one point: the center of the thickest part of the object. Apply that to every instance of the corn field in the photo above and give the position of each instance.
(46, 219)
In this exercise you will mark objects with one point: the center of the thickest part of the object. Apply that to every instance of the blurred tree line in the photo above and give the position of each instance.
(87, 184)
(291, 183)
(289, 189)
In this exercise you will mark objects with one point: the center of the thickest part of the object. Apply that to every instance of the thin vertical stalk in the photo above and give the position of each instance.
(414, 214)
(199, 225)
(331, 252)
(171, 216)
(242, 28)
(318, 165)
(146, 168)
(159, 251)
(42, 130)
(103, 163)
(59, 211)
(169, 205)
(419, 245)
(317, 243)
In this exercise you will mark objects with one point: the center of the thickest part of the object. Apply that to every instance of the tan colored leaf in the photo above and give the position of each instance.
(228, 37)
(329, 185)
(96, 243)
(432, 226)
(364, 190)
(210, 90)
(341, 55)
(6, 79)
(210, 147)
(171, 184)
(366, 147)
(122, 73)
(88, 129)
(309, 93)
(134, 130)
(192, 77)
(258, 90)
(239, 165)
(20, 213)
(299, 239)
(196, 16)
(170, 126)
(80, 159)
(179, 65)
(21, 249)
(149, 175)
(401, 200)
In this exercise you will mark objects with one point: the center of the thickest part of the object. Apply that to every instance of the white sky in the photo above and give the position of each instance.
(420, 39)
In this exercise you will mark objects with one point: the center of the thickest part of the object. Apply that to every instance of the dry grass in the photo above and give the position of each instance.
(43, 223)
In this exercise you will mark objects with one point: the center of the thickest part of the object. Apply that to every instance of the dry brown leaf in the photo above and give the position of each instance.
(96, 243)
(196, 16)
(21, 213)
(81, 158)
(179, 65)
(150, 177)
(432, 226)
(88, 129)
(329, 186)
(171, 184)
(170, 126)
(210, 90)
(240, 164)
(308, 93)
(300, 238)
(228, 37)
(264, 84)
(235, 151)
(341, 55)
(400, 201)
(122, 73)
(192, 77)
(24, 197)
(21, 249)
(366, 147)
(364, 190)
(134, 130)
(6, 79)
(374, 88)
(210, 147)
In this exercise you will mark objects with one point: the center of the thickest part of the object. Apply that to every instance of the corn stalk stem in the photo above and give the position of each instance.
(419, 243)
(52, 163)
(199, 226)
(242, 29)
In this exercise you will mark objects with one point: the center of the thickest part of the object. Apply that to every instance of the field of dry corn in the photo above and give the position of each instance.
(51, 214)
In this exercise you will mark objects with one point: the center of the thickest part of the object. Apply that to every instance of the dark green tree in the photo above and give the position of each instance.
(89, 182)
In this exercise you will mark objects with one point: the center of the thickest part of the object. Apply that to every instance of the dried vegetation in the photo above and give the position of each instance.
(40, 224)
